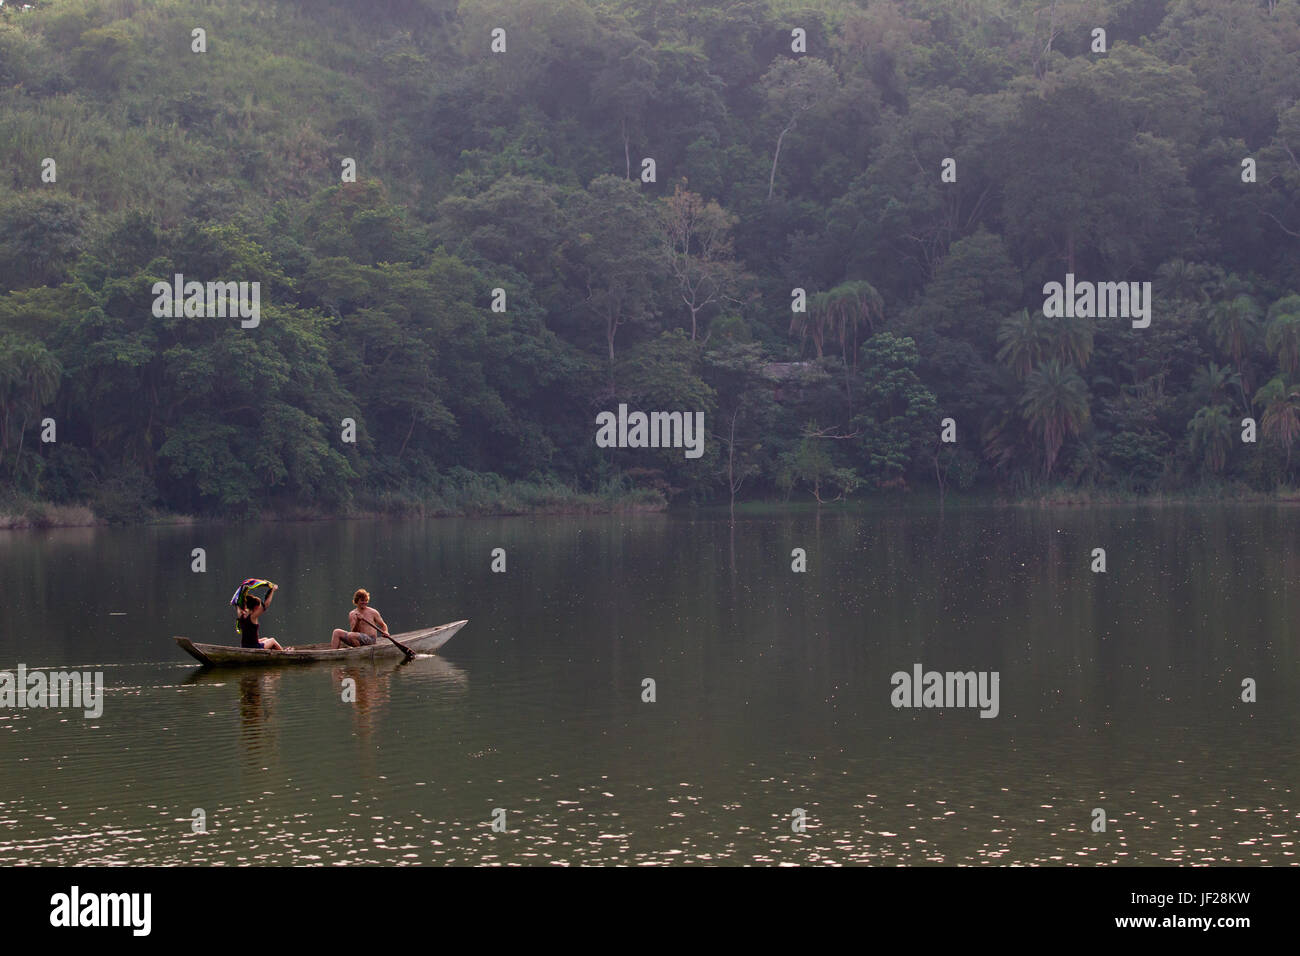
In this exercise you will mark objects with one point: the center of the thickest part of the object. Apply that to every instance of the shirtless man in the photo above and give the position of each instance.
(364, 622)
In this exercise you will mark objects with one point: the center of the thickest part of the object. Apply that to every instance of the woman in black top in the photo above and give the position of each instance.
(248, 626)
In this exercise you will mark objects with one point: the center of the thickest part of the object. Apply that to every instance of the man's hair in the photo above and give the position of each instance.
(361, 595)
(251, 602)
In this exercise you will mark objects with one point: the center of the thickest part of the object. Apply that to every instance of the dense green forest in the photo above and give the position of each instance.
(618, 208)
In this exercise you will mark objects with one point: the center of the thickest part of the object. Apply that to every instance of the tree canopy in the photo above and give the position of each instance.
(827, 226)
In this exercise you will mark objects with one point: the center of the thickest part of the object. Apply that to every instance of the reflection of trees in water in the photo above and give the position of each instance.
(731, 563)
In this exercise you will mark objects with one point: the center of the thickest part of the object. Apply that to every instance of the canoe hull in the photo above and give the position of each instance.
(424, 641)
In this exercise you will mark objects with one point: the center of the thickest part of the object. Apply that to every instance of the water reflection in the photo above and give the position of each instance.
(1119, 690)
(257, 693)
(367, 692)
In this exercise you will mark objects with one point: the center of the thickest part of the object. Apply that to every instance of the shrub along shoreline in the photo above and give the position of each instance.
(478, 499)
(527, 498)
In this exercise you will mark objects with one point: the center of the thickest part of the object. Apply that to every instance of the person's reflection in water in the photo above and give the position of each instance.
(371, 694)
(256, 707)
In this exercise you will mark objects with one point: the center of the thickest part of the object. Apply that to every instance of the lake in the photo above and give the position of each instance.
(773, 691)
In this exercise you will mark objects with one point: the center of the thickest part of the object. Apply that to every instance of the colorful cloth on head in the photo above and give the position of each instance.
(253, 587)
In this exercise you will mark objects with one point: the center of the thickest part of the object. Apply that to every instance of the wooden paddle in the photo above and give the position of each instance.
(410, 654)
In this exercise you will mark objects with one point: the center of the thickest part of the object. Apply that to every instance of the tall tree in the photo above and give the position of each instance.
(1023, 340)
(1235, 326)
(746, 411)
(846, 309)
(698, 249)
(899, 416)
(1209, 434)
(792, 89)
(1071, 338)
(1281, 419)
(1282, 337)
(29, 380)
(614, 257)
(1055, 404)
(625, 88)
(1212, 382)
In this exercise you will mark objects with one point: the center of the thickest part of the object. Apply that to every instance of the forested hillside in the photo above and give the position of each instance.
(620, 207)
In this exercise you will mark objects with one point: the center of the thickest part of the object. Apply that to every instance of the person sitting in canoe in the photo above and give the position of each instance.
(250, 610)
(365, 624)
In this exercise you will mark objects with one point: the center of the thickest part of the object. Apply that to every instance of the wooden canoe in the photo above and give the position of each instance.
(424, 641)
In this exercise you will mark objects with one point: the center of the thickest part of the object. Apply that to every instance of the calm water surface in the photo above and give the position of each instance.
(1118, 690)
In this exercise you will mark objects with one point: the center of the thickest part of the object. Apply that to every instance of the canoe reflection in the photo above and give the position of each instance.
(425, 667)
(365, 697)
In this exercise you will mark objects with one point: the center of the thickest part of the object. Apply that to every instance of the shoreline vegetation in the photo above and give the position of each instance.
(485, 498)
(523, 499)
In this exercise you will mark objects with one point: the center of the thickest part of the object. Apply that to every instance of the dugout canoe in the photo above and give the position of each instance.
(424, 641)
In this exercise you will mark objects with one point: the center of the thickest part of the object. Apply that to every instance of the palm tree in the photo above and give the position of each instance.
(847, 307)
(1213, 381)
(29, 379)
(1024, 342)
(1187, 281)
(1235, 323)
(1055, 405)
(840, 313)
(1283, 333)
(1210, 435)
(1281, 418)
(1071, 339)
(813, 322)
